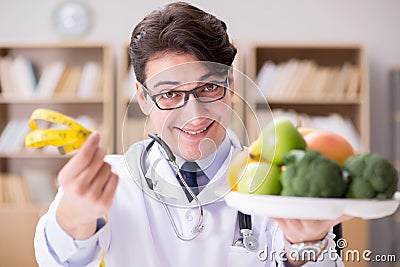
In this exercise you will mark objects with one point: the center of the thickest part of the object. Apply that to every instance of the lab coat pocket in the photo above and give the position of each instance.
(239, 256)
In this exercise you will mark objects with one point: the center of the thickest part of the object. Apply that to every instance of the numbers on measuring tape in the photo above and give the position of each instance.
(66, 140)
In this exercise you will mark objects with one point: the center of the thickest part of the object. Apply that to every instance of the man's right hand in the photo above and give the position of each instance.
(89, 187)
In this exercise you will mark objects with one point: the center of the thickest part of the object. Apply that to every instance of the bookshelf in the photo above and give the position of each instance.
(135, 126)
(293, 86)
(129, 119)
(314, 81)
(73, 78)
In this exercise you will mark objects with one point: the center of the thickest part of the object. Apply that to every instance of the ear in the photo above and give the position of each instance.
(231, 81)
(142, 99)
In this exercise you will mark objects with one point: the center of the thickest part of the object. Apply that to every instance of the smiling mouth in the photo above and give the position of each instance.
(199, 131)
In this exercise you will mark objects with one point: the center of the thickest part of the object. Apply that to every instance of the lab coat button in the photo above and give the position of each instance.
(189, 218)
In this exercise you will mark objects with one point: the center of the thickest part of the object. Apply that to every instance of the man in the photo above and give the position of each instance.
(142, 213)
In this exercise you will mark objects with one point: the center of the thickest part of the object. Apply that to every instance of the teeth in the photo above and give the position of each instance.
(193, 133)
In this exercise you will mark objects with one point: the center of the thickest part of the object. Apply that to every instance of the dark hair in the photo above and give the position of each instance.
(182, 29)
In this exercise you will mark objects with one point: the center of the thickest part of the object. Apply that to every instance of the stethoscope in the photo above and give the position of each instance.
(246, 239)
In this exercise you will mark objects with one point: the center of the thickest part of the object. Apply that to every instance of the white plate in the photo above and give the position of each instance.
(311, 208)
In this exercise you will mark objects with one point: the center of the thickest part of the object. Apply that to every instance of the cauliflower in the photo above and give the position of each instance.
(370, 176)
(310, 174)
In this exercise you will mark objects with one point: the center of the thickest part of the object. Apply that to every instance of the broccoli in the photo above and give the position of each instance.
(370, 176)
(308, 173)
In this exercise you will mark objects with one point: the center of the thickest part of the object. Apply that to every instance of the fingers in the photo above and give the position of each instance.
(297, 230)
(87, 175)
(96, 179)
(344, 218)
(85, 154)
(303, 222)
(110, 188)
(98, 184)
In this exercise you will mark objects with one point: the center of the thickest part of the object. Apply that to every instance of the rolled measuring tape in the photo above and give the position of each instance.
(66, 140)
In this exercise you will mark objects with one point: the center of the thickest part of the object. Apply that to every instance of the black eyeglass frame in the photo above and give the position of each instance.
(224, 84)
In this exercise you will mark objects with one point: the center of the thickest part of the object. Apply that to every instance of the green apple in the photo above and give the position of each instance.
(260, 178)
(278, 138)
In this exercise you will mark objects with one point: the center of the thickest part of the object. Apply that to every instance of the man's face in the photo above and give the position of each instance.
(195, 130)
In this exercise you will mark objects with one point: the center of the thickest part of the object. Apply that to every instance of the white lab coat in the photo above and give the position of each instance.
(139, 232)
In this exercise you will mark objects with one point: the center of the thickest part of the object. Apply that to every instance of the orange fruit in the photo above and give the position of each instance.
(329, 144)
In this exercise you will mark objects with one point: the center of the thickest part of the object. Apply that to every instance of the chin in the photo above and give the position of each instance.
(192, 152)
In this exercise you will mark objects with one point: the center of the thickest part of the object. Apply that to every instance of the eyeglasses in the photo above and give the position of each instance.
(205, 93)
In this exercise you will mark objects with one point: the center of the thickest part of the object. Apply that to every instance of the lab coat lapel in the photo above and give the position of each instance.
(164, 177)
(218, 186)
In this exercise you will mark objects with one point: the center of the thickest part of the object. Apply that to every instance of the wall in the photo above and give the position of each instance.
(370, 22)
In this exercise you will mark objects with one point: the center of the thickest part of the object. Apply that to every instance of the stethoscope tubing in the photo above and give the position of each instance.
(172, 159)
(244, 219)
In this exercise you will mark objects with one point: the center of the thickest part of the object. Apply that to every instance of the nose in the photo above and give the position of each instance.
(193, 108)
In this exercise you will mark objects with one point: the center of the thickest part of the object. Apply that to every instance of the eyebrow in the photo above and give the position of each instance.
(205, 76)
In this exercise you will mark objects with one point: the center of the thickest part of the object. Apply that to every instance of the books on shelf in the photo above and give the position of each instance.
(18, 79)
(12, 138)
(5, 77)
(69, 82)
(49, 79)
(89, 84)
(305, 79)
(353, 88)
(23, 77)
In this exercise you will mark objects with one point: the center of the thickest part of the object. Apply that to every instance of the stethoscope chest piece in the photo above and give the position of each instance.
(249, 241)
(246, 239)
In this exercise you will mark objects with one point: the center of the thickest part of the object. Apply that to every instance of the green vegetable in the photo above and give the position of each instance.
(310, 174)
(371, 176)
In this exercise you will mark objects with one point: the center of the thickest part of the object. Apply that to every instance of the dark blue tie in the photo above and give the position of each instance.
(190, 172)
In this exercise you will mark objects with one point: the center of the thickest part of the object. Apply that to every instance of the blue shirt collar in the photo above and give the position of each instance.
(211, 164)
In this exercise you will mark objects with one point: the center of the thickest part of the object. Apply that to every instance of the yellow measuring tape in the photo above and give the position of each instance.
(66, 140)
